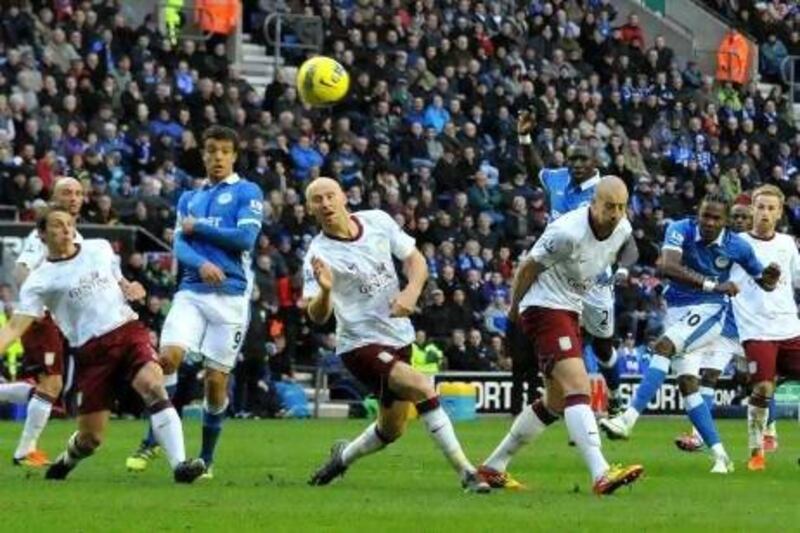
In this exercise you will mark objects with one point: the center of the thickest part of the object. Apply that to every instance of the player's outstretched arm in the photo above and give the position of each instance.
(530, 155)
(671, 266)
(416, 270)
(14, 329)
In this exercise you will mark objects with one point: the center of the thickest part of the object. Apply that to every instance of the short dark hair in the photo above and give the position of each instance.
(41, 222)
(717, 198)
(222, 133)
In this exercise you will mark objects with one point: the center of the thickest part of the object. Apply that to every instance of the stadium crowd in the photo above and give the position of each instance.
(427, 133)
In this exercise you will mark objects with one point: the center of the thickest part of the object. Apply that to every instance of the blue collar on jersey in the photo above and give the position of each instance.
(717, 241)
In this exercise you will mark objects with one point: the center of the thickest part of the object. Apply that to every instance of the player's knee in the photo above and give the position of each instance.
(170, 359)
(688, 384)
(664, 347)
(764, 389)
(50, 386)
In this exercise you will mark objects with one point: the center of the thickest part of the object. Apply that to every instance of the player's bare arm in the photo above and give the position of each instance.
(416, 270)
(526, 276)
(530, 155)
(14, 329)
(672, 267)
(132, 290)
(627, 257)
(320, 306)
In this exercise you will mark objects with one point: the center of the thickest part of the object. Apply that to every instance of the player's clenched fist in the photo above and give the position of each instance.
(322, 273)
(133, 291)
(771, 275)
(211, 274)
(727, 287)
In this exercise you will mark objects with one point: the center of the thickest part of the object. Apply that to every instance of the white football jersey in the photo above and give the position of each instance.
(34, 251)
(82, 293)
(574, 260)
(364, 281)
(762, 315)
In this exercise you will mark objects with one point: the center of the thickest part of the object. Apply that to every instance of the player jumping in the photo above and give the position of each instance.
(349, 272)
(547, 298)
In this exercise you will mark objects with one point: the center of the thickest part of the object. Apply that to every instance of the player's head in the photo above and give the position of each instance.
(767, 208)
(327, 202)
(581, 161)
(609, 204)
(57, 228)
(741, 218)
(712, 216)
(220, 150)
(68, 194)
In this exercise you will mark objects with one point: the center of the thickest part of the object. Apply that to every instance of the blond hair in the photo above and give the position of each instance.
(769, 190)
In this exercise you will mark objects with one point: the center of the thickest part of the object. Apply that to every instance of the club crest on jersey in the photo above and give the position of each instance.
(722, 261)
(224, 198)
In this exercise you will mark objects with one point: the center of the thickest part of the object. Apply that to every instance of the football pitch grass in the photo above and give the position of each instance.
(262, 468)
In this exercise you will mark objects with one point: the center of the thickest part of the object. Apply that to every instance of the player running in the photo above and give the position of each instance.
(714, 358)
(547, 300)
(569, 188)
(82, 286)
(768, 324)
(696, 257)
(216, 232)
(349, 272)
(42, 343)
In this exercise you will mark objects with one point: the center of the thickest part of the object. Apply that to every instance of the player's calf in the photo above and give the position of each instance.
(79, 446)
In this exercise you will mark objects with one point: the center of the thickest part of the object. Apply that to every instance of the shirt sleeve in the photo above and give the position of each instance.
(31, 297)
(553, 246)
(795, 266)
(114, 259)
(748, 260)
(310, 285)
(251, 206)
(675, 236)
(182, 210)
(31, 254)
(401, 243)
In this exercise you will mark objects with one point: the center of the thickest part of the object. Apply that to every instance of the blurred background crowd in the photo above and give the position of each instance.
(427, 133)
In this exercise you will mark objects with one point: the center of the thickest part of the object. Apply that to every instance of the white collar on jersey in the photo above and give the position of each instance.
(591, 182)
(717, 241)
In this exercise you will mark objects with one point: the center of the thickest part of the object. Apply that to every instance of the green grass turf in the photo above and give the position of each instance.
(262, 468)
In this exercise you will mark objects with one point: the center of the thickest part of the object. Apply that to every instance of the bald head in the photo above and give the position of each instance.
(327, 203)
(322, 184)
(68, 194)
(611, 188)
(609, 205)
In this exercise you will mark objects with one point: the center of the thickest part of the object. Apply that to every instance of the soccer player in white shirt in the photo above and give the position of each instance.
(547, 301)
(82, 286)
(43, 344)
(768, 324)
(349, 272)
